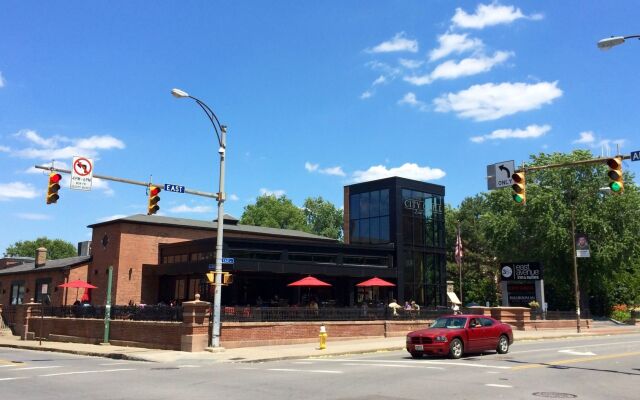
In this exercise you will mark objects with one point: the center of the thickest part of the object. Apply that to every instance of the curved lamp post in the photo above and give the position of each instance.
(607, 43)
(221, 134)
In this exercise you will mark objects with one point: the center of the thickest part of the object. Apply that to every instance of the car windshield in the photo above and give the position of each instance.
(450, 322)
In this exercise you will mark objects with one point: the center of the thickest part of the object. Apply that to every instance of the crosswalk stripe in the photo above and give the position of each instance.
(393, 366)
(89, 372)
(30, 368)
(419, 362)
(13, 379)
(497, 385)
(320, 371)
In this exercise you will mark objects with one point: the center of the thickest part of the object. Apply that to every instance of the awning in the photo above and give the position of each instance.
(454, 299)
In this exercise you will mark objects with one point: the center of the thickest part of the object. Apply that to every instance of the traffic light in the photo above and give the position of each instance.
(54, 186)
(210, 277)
(154, 198)
(227, 278)
(615, 174)
(519, 187)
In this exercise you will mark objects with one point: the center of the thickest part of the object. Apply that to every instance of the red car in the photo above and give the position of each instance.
(454, 335)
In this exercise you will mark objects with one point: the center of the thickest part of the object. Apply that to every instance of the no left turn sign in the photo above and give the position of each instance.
(81, 173)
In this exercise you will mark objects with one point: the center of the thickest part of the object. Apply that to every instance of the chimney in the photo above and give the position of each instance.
(41, 256)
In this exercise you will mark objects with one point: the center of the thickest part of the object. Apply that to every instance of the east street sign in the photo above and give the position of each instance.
(173, 188)
(635, 155)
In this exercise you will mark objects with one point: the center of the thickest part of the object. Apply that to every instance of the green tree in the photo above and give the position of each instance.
(56, 248)
(323, 218)
(274, 212)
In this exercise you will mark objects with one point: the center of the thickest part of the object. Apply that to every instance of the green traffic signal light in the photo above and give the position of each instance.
(518, 198)
(616, 183)
(615, 187)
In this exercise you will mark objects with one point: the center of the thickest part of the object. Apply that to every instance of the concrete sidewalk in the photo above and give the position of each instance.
(282, 352)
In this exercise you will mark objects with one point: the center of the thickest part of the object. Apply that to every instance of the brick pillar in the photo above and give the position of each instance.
(23, 313)
(195, 325)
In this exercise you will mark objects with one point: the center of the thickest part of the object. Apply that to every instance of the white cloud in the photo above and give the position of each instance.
(469, 66)
(336, 171)
(490, 101)
(452, 70)
(310, 167)
(111, 217)
(489, 15)
(410, 64)
(407, 170)
(269, 192)
(101, 184)
(17, 190)
(234, 197)
(531, 131)
(398, 43)
(380, 80)
(33, 216)
(586, 137)
(58, 147)
(411, 99)
(454, 43)
(1, 80)
(385, 68)
(183, 208)
(366, 94)
(4, 149)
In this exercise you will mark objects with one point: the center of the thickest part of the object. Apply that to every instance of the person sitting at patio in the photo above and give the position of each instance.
(407, 306)
(415, 306)
(313, 304)
(394, 306)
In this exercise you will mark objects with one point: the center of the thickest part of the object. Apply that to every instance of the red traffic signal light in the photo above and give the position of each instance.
(519, 187)
(615, 174)
(154, 198)
(53, 187)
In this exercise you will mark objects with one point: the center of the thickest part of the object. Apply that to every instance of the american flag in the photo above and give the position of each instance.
(459, 252)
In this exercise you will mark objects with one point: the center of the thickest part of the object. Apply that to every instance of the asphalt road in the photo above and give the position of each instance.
(583, 368)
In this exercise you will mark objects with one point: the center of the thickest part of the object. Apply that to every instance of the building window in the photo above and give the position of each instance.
(43, 290)
(369, 217)
(17, 292)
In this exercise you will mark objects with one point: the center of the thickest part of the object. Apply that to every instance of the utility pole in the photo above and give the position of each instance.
(576, 285)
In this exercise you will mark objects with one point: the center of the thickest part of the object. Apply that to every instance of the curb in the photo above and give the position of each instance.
(115, 356)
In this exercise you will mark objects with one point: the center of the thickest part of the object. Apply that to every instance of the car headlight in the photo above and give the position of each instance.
(440, 339)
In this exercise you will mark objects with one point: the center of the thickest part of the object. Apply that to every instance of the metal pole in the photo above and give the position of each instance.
(575, 267)
(215, 334)
(107, 307)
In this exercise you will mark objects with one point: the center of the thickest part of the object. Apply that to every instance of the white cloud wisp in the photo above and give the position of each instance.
(407, 170)
(17, 190)
(398, 43)
(467, 67)
(451, 43)
(531, 131)
(489, 15)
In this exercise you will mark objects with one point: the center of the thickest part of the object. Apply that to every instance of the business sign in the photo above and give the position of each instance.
(81, 173)
(499, 174)
(173, 188)
(524, 271)
(521, 294)
(415, 205)
(635, 155)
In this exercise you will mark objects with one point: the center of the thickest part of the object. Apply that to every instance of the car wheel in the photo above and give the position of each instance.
(456, 348)
(503, 345)
(416, 355)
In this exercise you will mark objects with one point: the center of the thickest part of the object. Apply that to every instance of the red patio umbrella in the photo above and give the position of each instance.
(78, 284)
(309, 281)
(375, 281)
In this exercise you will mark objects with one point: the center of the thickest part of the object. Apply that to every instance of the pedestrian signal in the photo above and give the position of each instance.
(154, 198)
(53, 187)
(210, 277)
(519, 187)
(616, 183)
(227, 278)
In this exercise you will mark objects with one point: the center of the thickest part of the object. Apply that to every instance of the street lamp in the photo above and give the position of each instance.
(607, 43)
(221, 134)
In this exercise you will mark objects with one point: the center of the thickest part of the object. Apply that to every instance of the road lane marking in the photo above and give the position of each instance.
(188, 366)
(392, 366)
(574, 347)
(576, 360)
(89, 372)
(497, 385)
(319, 371)
(418, 362)
(30, 368)
(13, 379)
(577, 353)
(302, 362)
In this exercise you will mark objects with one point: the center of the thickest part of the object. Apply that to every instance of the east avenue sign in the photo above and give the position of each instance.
(522, 271)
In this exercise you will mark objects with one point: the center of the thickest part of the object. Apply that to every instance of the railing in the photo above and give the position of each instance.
(277, 314)
(135, 313)
(556, 315)
(8, 317)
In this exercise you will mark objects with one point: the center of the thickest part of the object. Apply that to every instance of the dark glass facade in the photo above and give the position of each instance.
(410, 215)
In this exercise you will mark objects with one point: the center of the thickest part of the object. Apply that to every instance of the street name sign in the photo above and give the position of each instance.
(635, 155)
(499, 174)
(81, 173)
(229, 260)
(173, 188)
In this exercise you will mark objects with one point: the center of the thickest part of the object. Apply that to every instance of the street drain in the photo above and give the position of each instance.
(555, 395)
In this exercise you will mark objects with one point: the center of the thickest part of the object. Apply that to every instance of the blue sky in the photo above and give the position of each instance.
(316, 95)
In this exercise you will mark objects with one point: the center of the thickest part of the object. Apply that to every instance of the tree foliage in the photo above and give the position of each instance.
(495, 229)
(317, 216)
(56, 248)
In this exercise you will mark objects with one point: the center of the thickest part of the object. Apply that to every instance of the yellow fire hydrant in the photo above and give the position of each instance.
(323, 337)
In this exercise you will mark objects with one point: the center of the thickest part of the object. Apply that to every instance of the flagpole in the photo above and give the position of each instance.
(459, 260)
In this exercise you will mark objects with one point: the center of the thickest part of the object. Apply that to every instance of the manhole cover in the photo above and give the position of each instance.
(555, 395)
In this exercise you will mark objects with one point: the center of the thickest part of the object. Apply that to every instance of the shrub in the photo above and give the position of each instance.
(620, 312)
(534, 304)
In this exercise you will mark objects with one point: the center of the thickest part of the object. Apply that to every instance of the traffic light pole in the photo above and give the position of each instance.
(599, 160)
(130, 181)
(576, 284)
